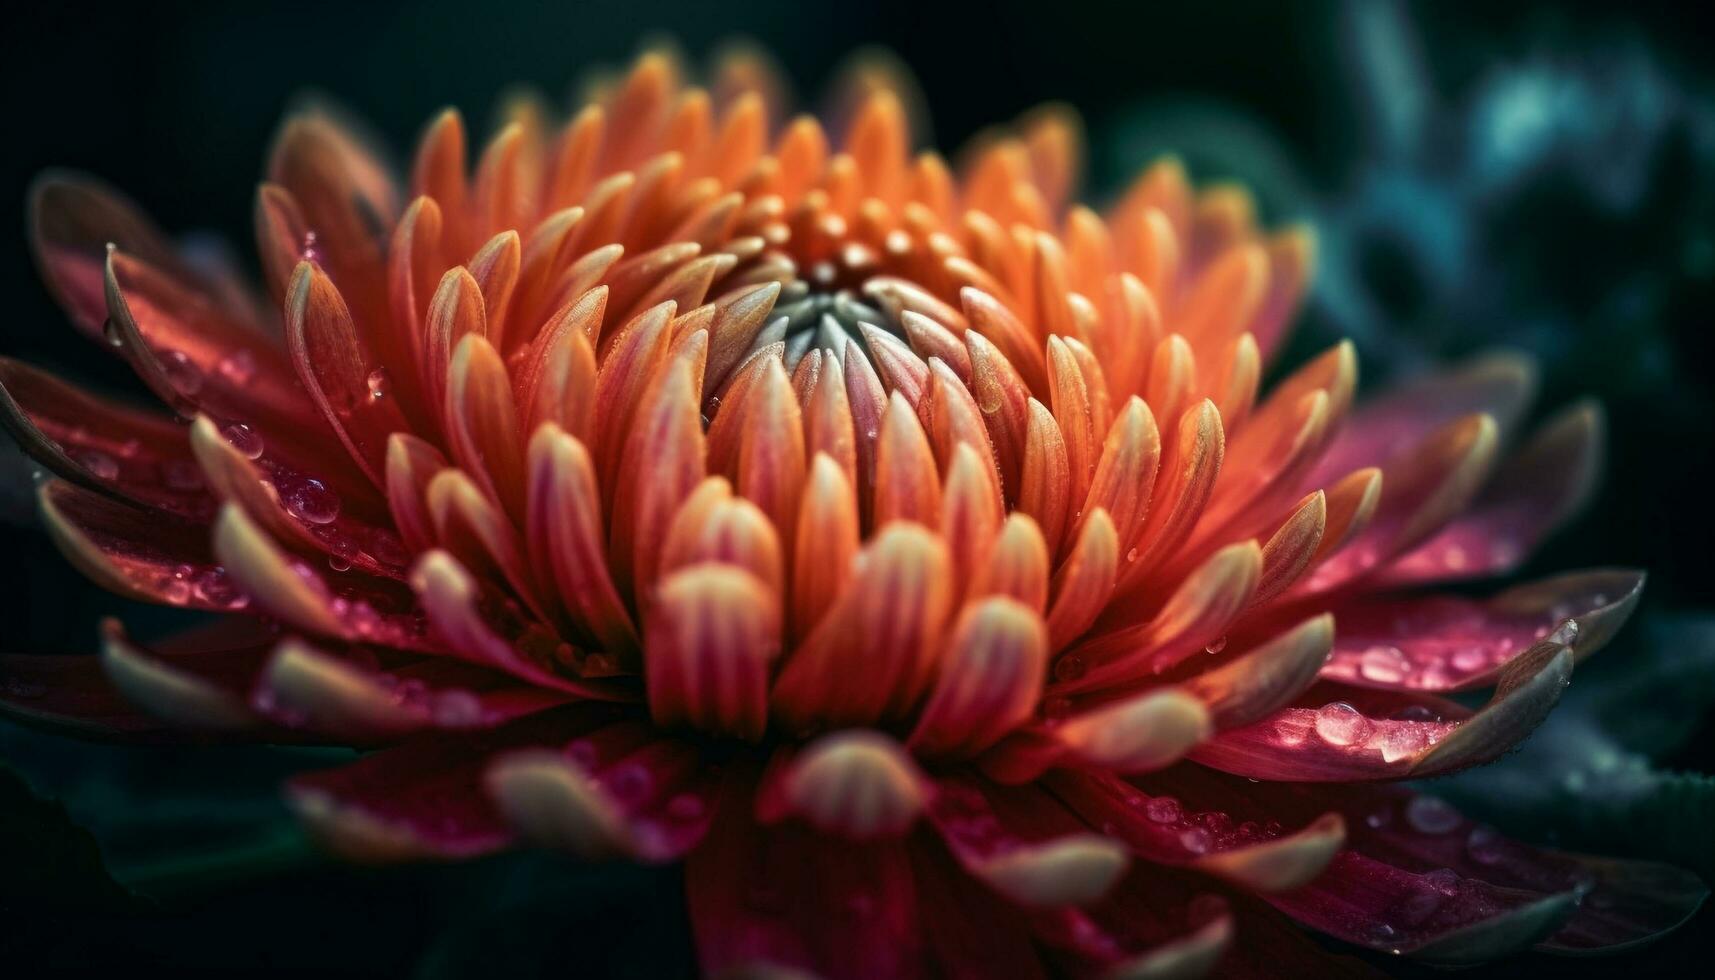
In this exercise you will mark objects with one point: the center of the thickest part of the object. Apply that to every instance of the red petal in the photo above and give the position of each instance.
(73, 219)
(1024, 844)
(427, 798)
(100, 445)
(787, 897)
(141, 554)
(619, 788)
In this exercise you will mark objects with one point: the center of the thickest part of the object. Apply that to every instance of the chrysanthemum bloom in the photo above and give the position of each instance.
(910, 550)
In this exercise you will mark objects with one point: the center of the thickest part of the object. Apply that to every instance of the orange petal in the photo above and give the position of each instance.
(874, 653)
(565, 540)
(990, 679)
(713, 634)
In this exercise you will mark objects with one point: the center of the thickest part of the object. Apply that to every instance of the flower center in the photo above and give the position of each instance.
(817, 319)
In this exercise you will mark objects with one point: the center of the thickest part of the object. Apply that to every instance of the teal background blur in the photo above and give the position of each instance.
(1532, 174)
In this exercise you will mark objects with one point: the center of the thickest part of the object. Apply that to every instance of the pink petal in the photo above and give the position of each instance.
(1450, 643)
(1534, 492)
(1336, 733)
(1153, 923)
(1249, 852)
(1413, 859)
(1501, 384)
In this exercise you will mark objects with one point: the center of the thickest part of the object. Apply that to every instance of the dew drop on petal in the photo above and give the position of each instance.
(1163, 809)
(1196, 840)
(380, 383)
(244, 439)
(1485, 845)
(1469, 659)
(1383, 664)
(1401, 741)
(629, 782)
(1069, 668)
(1338, 723)
(237, 367)
(99, 464)
(1217, 646)
(686, 807)
(1566, 634)
(457, 709)
(182, 373)
(1428, 815)
(1443, 880)
(311, 500)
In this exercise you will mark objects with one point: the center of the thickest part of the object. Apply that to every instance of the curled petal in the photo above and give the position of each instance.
(990, 679)
(889, 620)
(616, 791)
(1379, 737)
(857, 784)
(1259, 681)
(1145, 733)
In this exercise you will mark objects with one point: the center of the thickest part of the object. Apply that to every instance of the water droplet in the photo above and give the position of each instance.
(115, 336)
(1196, 840)
(1566, 634)
(380, 383)
(1469, 659)
(457, 709)
(338, 564)
(583, 752)
(237, 367)
(99, 464)
(1485, 845)
(1384, 664)
(182, 373)
(1443, 880)
(1131, 556)
(629, 782)
(1428, 815)
(1217, 646)
(312, 501)
(1069, 668)
(308, 251)
(244, 439)
(686, 807)
(1163, 809)
(1401, 741)
(175, 590)
(181, 474)
(1338, 723)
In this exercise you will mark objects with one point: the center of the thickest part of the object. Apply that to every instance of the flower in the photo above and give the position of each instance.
(911, 553)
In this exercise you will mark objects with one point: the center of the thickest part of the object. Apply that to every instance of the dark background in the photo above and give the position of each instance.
(1540, 175)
